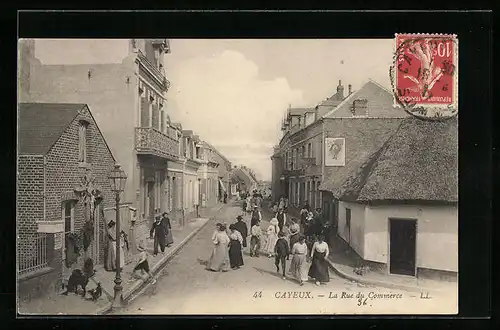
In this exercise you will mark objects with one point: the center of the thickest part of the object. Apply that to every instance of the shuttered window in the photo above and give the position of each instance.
(155, 119)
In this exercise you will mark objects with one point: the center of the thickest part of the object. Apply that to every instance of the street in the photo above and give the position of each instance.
(185, 287)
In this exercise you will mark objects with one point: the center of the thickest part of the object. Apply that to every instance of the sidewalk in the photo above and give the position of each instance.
(75, 305)
(344, 261)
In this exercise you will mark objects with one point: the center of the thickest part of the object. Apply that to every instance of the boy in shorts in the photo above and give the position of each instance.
(143, 264)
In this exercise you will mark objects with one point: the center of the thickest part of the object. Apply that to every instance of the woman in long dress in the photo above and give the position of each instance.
(169, 239)
(294, 234)
(299, 260)
(272, 237)
(235, 244)
(219, 260)
(319, 265)
(110, 264)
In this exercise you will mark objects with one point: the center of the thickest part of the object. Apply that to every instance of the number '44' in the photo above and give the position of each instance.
(257, 294)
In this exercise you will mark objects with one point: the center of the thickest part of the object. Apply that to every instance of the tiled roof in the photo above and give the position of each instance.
(41, 125)
(418, 163)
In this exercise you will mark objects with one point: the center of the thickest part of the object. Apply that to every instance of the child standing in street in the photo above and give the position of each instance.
(256, 233)
(143, 264)
(282, 252)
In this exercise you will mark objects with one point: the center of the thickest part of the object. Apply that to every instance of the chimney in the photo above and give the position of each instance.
(340, 91)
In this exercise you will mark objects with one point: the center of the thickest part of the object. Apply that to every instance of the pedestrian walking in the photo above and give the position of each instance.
(256, 216)
(319, 265)
(219, 260)
(159, 233)
(299, 260)
(225, 197)
(281, 216)
(282, 252)
(235, 244)
(142, 264)
(294, 235)
(169, 239)
(272, 237)
(256, 234)
(241, 226)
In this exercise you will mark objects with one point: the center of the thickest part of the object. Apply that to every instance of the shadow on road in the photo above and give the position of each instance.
(262, 271)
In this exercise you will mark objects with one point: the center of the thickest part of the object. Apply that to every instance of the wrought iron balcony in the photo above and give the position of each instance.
(149, 140)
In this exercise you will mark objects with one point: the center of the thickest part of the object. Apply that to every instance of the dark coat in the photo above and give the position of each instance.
(242, 228)
(281, 248)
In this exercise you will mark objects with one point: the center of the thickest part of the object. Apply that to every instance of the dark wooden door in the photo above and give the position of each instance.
(403, 236)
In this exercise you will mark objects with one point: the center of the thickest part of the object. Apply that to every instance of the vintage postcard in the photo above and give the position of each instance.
(245, 176)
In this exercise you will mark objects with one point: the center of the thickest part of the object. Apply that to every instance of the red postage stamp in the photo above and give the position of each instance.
(425, 72)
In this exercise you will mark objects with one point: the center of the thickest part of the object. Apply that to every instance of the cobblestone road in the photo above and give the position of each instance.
(185, 287)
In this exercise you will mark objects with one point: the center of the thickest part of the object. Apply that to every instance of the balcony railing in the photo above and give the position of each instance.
(35, 257)
(156, 71)
(294, 172)
(149, 140)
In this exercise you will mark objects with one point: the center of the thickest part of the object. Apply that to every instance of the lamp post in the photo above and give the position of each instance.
(117, 179)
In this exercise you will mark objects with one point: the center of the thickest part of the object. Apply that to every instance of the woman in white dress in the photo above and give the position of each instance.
(272, 237)
(299, 263)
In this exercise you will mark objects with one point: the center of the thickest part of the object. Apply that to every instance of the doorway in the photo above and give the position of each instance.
(151, 200)
(402, 246)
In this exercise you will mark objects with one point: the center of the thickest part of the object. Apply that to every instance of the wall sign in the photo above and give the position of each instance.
(334, 152)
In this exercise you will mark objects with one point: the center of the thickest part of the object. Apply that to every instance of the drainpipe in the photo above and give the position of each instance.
(44, 189)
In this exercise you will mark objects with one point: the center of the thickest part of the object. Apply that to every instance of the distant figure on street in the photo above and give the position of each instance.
(299, 260)
(249, 205)
(142, 264)
(319, 265)
(281, 216)
(281, 253)
(256, 216)
(225, 197)
(169, 239)
(256, 235)
(294, 235)
(159, 230)
(241, 226)
(219, 260)
(281, 203)
(235, 244)
(272, 237)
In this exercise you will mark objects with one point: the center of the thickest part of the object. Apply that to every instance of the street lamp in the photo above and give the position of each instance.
(117, 179)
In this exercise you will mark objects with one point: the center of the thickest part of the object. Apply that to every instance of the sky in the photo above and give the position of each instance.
(234, 93)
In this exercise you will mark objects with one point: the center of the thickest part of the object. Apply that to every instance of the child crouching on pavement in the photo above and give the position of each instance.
(256, 234)
(142, 264)
(281, 252)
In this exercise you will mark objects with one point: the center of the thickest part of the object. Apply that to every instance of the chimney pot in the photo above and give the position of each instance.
(340, 82)
(350, 89)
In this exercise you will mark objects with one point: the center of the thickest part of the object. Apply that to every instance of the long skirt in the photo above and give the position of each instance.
(270, 243)
(169, 238)
(111, 257)
(235, 255)
(219, 259)
(298, 267)
(319, 267)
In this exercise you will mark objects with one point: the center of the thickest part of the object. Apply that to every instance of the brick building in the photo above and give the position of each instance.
(224, 173)
(131, 90)
(58, 146)
(299, 163)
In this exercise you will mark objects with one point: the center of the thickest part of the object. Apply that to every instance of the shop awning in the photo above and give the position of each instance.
(222, 185)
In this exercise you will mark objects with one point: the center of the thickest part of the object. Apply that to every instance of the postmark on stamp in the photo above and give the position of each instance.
(424, 74)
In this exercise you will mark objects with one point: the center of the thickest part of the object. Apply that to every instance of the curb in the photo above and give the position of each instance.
(384, 284)
(140, 284)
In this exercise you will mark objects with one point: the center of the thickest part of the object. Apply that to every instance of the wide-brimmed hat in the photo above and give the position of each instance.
(274, 221)
(239, 217)
(111, 222)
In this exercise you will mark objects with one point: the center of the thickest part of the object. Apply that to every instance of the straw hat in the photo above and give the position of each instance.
(274, 221)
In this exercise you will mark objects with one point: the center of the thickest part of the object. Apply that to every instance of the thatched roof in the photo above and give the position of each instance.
(418, 163)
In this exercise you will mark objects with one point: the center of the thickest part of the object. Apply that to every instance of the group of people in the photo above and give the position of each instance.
(282, 239)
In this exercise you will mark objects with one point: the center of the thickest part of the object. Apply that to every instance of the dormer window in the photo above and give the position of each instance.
(82, 141)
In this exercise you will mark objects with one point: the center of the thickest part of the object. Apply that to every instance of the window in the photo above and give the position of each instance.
(197, 152)
(68, 215)
(82, 141)
(360, 107)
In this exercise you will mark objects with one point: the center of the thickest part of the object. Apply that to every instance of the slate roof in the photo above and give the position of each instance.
(41, 125)
(418, 163)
